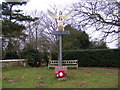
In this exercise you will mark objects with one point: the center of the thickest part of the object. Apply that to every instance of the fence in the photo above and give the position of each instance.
(13, 62)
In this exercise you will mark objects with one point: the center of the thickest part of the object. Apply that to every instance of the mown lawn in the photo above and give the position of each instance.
(29, 77)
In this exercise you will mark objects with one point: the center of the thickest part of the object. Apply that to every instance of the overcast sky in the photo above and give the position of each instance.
(43, 5)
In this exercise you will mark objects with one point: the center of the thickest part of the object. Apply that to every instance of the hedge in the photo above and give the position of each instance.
(94, 57)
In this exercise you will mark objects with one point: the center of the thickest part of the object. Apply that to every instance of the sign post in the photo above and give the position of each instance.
(60, 34)
(60, 50)
(60, 70)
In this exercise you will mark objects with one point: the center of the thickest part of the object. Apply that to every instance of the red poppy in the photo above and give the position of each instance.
(60, 74)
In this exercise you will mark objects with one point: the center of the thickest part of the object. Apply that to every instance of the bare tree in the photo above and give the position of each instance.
(46, 27)
(102, 16)
(39, 32)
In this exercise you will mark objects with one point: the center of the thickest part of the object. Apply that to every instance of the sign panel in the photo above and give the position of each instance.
(60, 32)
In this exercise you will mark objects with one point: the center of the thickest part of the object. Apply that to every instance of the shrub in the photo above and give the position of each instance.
(33, 56)
(94, 58)
(11, 55)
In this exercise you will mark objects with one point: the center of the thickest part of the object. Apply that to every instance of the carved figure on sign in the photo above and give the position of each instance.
(60, 19)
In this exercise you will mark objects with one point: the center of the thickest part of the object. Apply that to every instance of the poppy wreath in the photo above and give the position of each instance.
(60, 74)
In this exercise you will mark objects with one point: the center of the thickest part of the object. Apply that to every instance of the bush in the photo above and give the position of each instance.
(94, 58)
(33, 56)
(11, 55)
(33, 59)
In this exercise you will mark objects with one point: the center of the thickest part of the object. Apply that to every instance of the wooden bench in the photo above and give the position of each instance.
(68, 63)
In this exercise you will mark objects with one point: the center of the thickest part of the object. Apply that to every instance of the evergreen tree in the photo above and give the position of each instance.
(12, 30)
(76, 40)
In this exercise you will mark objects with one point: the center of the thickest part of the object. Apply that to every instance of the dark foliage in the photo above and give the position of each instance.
(12, 30)
(11, 55)
(93, 58)
(76, 40)
(33, 56)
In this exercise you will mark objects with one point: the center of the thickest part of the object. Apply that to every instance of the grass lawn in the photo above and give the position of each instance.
(29, 77)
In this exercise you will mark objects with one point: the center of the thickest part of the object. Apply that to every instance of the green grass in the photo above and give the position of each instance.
(26, 77)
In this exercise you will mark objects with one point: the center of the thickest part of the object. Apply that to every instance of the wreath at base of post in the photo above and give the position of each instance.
(60, 72)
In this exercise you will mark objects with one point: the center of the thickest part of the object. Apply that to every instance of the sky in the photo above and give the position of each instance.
(43, 5)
